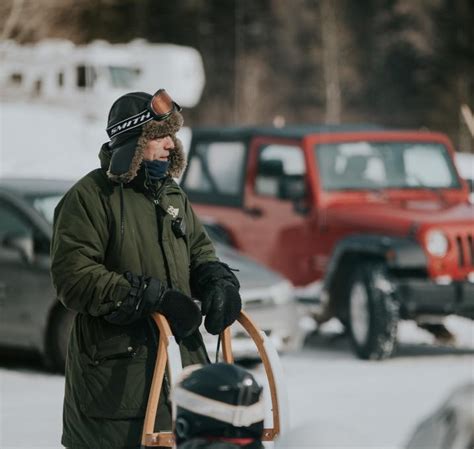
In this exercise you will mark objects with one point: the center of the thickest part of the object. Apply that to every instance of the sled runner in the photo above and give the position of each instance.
(169, 358)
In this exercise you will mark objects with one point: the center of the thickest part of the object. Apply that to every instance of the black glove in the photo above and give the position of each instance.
(149, 295)
(221, 306)
(214, 284)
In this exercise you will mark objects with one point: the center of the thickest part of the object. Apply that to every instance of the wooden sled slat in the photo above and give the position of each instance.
(166, 438)
(269, 434)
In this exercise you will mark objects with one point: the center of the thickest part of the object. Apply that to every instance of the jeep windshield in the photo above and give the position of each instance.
(368, 165)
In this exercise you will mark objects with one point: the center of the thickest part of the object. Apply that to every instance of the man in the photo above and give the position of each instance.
(218, 406)
(126, 243)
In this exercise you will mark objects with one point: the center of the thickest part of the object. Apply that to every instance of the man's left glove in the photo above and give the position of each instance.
(214, 284)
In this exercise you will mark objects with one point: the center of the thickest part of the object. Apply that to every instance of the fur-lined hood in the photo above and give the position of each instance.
(125, 162)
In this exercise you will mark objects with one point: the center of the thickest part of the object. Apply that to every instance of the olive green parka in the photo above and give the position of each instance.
(101, 230)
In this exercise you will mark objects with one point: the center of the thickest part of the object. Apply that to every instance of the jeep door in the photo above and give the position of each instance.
(278, 200)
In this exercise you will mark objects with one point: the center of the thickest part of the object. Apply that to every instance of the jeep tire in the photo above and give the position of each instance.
(373, 312)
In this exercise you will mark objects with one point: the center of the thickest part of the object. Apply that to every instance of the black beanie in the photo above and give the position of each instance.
(128, 118)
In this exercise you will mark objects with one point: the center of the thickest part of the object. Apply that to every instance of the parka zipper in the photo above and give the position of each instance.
(159, 223)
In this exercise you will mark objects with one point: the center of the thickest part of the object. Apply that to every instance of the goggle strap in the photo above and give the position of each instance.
(237, 415)
(129, 123)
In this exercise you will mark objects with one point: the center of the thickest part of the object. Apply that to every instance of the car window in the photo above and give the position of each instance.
(216, 171)
(45, 205)
(11, 222)
(276, 163)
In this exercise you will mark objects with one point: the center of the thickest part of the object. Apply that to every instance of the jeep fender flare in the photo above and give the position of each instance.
(399, 253)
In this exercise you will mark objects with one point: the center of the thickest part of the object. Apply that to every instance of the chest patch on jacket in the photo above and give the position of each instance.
(173, 211)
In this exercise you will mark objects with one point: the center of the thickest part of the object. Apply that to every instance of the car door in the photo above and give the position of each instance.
(280, 201)
(25, 284)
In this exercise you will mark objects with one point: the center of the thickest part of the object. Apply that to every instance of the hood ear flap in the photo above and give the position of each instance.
(177, 158)
(125, 160)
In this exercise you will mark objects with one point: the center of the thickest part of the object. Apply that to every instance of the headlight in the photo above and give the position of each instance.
(437, 243)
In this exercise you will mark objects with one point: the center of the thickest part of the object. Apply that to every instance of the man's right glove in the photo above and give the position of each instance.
(149, 295)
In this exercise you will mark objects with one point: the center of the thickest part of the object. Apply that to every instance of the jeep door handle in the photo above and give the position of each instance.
(254, 212)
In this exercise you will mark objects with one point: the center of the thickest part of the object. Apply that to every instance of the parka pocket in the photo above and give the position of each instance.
(117, 379)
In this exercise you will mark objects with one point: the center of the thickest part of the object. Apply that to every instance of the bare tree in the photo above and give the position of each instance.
(12, 19)
(330, 44)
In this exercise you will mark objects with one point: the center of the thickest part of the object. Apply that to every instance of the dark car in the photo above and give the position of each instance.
(32, 317)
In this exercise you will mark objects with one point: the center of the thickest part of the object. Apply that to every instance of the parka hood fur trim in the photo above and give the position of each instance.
(153, 130)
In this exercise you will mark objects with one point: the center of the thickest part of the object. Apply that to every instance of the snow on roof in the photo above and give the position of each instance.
(36, 68)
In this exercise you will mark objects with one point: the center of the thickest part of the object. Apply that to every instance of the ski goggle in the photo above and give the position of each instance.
(160, 107)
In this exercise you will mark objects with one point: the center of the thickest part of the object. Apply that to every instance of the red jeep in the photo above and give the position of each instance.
(373, 224)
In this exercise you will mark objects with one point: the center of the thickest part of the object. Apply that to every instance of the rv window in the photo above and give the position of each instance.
(60, 79)
(81, 76)
(38, 87)
(86, 76)
(16, 79)
(123, 76)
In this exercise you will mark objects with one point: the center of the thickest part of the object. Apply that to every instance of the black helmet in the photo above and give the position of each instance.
(218, 400)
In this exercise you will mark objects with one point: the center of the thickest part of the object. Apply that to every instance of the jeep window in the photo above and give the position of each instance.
(215, 172)
(280, 166)
(375, 165)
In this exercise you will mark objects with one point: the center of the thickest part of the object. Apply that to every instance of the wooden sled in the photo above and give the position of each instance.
(168, 356)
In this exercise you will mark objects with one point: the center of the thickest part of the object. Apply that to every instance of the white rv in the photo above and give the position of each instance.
(55, 96)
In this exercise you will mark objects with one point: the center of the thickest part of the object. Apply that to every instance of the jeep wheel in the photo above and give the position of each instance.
(57, 339)
(373, 312)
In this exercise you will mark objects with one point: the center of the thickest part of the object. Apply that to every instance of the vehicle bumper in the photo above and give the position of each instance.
(281, 324)
(420, 296)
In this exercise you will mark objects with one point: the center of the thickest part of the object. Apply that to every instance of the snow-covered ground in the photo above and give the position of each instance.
(336, 401)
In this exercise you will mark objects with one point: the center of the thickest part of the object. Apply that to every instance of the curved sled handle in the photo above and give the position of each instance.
(149, 437)
(269, 434)
(166, 439)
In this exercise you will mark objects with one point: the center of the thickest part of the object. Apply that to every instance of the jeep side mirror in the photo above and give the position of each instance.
(20, 242)
(271, 168)
(291, 187)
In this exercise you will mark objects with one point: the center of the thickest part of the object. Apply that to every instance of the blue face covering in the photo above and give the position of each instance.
(156, 169)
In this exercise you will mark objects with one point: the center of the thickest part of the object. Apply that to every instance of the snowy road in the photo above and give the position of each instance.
(337, 400)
